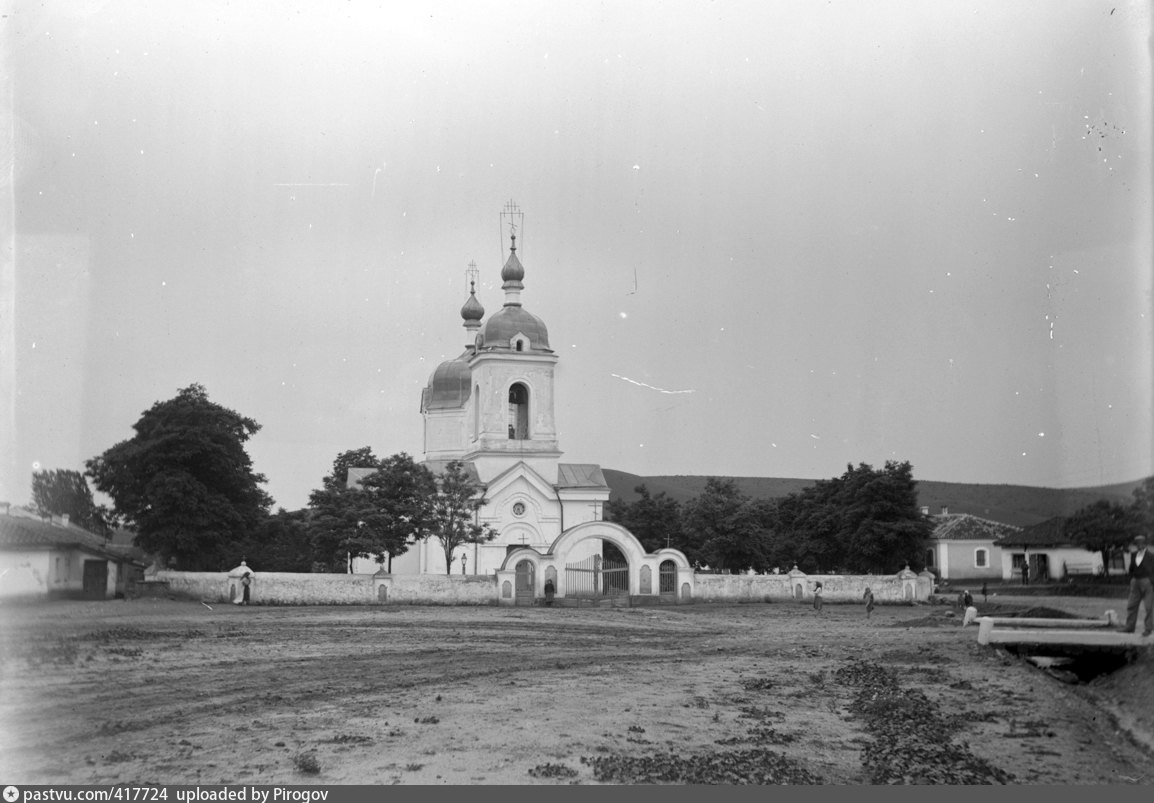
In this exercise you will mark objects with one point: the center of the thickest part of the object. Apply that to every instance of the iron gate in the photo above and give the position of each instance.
(667, 578)
(594, 577)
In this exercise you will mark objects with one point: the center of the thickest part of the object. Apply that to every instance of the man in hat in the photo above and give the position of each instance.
(1141, 586)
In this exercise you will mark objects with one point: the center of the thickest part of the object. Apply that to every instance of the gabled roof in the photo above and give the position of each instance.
(438, 468)
(1051, 532)
(581, 475)
(964, 527)
(23, 530)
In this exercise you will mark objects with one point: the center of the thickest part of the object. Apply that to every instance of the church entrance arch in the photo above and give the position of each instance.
(604, 575)
(523, 585)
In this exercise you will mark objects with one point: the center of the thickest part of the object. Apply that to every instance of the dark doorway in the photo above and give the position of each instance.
(95, 579)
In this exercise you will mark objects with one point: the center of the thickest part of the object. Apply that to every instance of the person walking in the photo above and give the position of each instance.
(985, 592)
(817, 601)
(1141, 587)
(869, 601)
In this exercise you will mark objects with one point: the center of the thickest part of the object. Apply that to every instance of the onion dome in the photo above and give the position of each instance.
(472, 311)
(448, 387)
(508, 322)
(513, 272)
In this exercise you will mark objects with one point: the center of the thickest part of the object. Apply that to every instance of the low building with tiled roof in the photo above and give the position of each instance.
(51, 557)
(964, 547)
(1050, 554)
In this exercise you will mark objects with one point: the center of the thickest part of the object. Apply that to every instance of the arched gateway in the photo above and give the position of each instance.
(595, 560)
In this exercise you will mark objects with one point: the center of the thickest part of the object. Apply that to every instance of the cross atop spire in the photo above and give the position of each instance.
(516, 219)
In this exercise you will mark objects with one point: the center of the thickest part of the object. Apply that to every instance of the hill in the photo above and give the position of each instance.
(1020, 505)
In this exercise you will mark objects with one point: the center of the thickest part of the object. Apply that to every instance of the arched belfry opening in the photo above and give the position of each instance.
(518, 412)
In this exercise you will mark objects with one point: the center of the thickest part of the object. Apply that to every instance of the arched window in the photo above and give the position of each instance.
(518, 412)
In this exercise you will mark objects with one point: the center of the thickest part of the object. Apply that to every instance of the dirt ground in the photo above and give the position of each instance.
(176, 692)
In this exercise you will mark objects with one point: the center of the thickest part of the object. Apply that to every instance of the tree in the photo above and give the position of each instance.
(728, 530)
(1102, 526)
(375, 517)
(455, 504)
(1142, 508)
(654, 520)
(66, 492)
(866, 520)
(184, 481)
(280, 544)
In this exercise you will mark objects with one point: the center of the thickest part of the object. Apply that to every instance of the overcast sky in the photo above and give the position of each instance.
(767, 238)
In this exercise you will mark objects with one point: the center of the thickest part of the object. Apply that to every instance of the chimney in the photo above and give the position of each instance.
(945, 510)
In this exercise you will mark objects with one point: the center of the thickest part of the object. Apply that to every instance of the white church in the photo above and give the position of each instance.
(492, 408)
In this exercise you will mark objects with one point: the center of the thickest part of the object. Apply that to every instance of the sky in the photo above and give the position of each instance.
(767, 238)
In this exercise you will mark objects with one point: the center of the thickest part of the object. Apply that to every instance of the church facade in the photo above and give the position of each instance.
(492, 408)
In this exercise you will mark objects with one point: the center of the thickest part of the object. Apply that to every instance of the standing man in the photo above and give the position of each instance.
(1025, 571)
(1141, 586)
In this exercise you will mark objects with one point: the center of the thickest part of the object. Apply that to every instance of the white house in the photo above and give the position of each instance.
(51, 557)
(964, 547)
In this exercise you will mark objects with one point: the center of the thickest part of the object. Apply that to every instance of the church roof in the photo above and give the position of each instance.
(448, 387)
(438, 468)
(510, 320)
(580, 475)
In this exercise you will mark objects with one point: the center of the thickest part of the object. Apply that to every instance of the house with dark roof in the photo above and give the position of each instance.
(51, 557)
(965, 547)
(1049, 553)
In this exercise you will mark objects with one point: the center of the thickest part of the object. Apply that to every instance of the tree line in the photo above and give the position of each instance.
(865, 521)
(186, 487)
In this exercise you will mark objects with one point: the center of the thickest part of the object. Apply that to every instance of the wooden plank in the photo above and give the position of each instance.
(1072, 638)
(1067, 624)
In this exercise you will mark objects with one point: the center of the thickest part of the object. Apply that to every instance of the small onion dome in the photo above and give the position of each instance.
(448, 387)
(472, 311)
(509, 321)
(513, 270)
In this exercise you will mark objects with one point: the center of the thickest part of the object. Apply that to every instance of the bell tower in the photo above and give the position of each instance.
(512, 378)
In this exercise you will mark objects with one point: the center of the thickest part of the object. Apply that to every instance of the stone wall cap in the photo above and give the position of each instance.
(241, 570)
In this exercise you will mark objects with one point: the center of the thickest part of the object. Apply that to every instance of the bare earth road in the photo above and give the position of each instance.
(175, 692)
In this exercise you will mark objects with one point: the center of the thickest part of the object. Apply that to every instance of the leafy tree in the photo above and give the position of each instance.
(866, 520)
(452, 521)
(654, 520)
(65, 491)
(376, 517)
(1142, 508)
(184, 481)
(280, 544)
(728, 530)
(1102, 526)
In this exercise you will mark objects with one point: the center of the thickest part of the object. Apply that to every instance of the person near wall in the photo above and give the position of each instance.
(1025, 571)
(985, 591)
(245, 584)
(817, 601)
(967, 599)
(1141, 587)
(868, 596)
